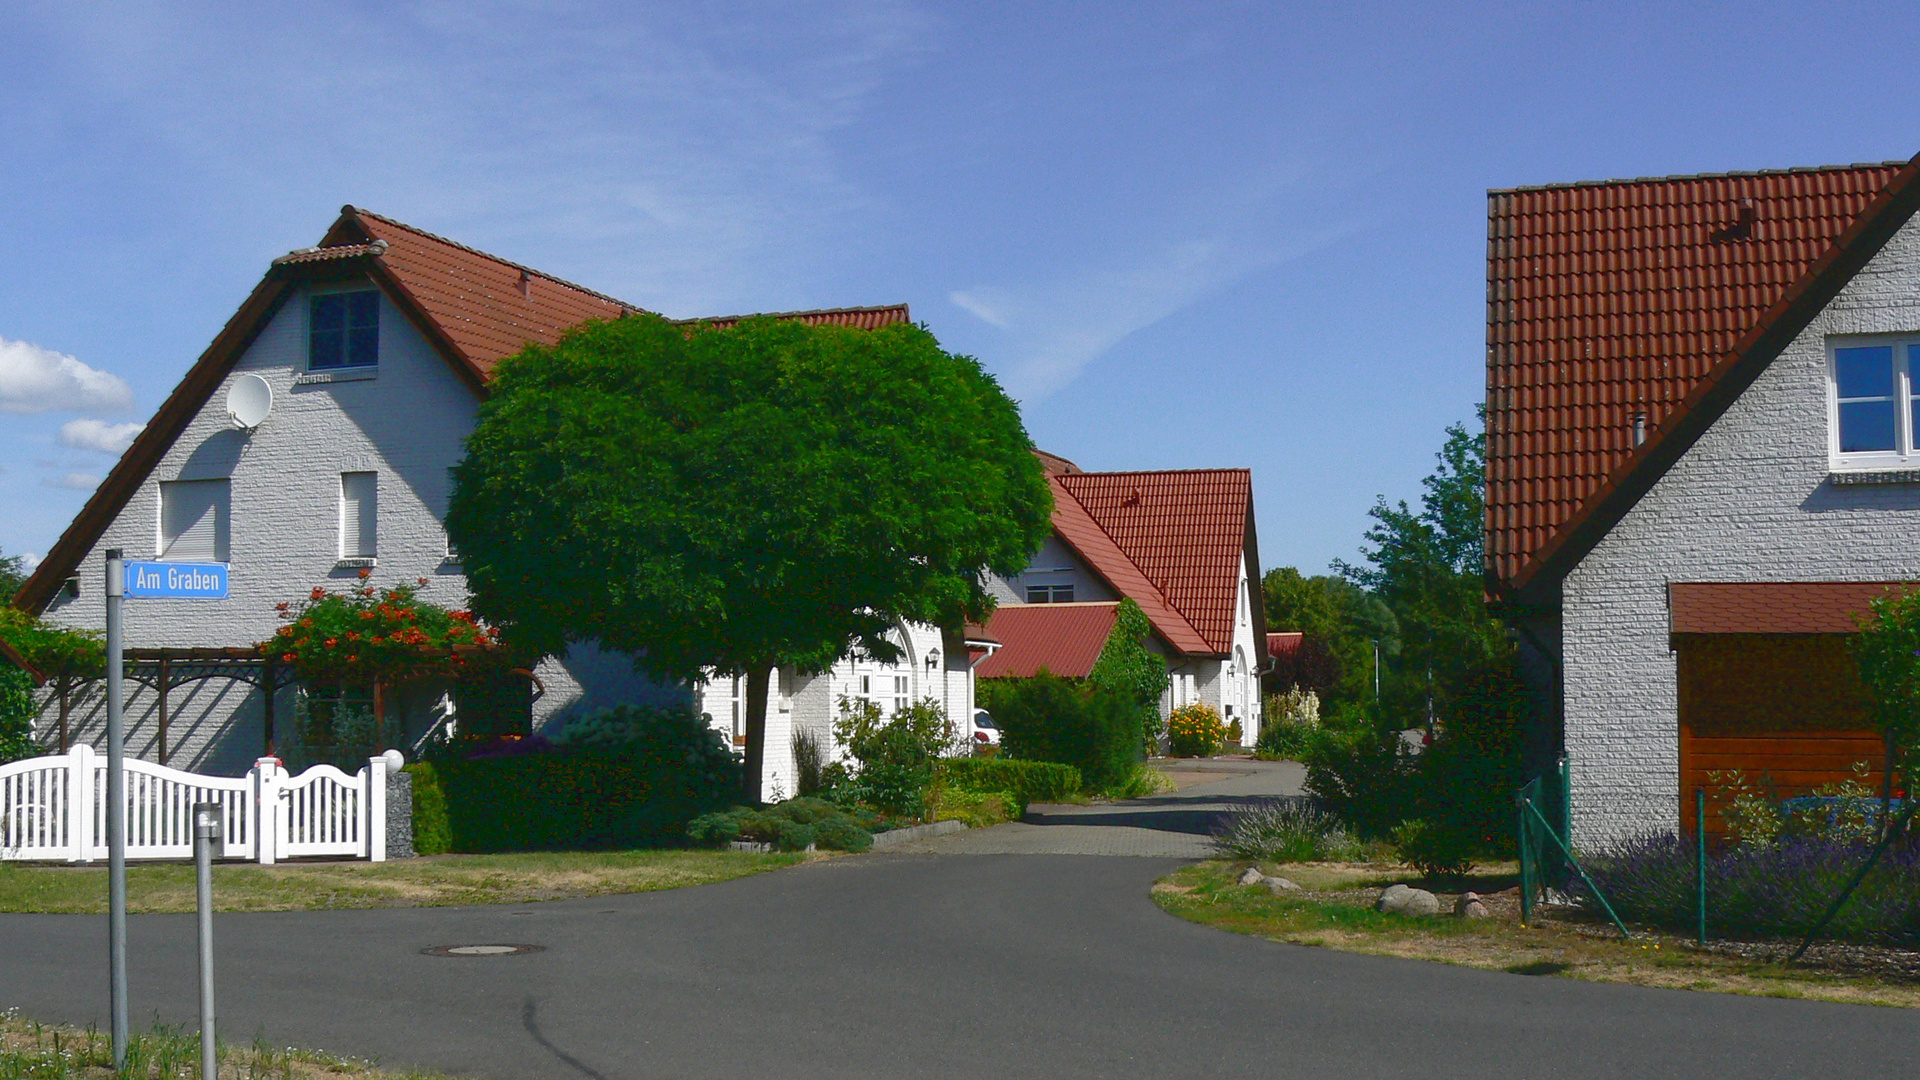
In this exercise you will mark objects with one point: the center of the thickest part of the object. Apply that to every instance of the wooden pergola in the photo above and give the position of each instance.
(165, 669)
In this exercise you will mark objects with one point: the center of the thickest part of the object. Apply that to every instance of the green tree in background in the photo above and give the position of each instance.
(767, 495)
(68, 659)
(1346, 621)
(13, 574)
(1127, 667)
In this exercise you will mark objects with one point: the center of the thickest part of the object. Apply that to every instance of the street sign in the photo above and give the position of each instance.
(176, 581)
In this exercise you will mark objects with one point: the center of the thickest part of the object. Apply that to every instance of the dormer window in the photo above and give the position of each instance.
(1873, 409)
(343, 330)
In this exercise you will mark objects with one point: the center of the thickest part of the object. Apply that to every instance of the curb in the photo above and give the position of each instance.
(895, 837)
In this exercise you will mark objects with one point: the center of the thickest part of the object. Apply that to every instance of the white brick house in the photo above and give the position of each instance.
(1703, 407)
(1181, 544)
(377, 346)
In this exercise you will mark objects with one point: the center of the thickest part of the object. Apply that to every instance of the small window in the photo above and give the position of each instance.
(1049, 594)
(193, 520)
(1875, 413)
(359, 515)
(902, 693)
(343, 330)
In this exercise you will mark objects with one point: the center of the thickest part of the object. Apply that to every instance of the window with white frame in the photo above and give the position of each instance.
(194, 520)
(902, 695)
(343, 330)
(1873, 416)
(359, 515)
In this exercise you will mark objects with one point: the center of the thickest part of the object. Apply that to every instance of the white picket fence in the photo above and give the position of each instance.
(55, 808)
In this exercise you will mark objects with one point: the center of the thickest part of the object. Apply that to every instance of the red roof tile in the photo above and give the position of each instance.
(1772, 607)
(860, 318)
(1078, 528)
(1185, 530)
(1283, 644)
(1064, 639)
(1610, 299)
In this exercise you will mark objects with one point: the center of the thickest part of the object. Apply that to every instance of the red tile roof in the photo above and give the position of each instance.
(1186, 531)
(1610, 299)
(1773, 607)
(860, 318)
(1081, 532)
(1281, 645)
(1064, 639)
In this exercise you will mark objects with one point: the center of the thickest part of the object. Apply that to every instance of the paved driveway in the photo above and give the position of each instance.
(918, 965)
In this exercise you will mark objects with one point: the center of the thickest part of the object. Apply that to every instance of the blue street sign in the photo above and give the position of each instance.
(176, 580)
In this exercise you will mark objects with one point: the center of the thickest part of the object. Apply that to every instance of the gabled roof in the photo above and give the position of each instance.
(1188, 532)
(1282, 644)
(1664, 297)
(476, 308)
(1073, 524)
(1063, 639)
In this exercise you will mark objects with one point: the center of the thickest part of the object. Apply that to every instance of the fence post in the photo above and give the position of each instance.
(267, 814)
(1700, 859)
(1526, 880)
(80, 799)
(375, 816)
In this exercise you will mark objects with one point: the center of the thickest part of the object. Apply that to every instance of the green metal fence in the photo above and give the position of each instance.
(1545, 808)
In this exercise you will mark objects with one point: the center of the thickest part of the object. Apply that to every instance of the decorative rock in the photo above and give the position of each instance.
(1468, 906)
(1277, 885)
(1253, 876)
(1406, 900)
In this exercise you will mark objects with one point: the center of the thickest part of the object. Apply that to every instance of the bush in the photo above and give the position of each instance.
(1765, 891)
(1437, 850)
(1364, 777)
(1027, 782)
(638, 789)
(1287, 830)
(978, 809)
(16, 714)
(790, 826)
(896, 755)
(1049, 718)
(1128, 668)
(1289, 724)
(1195, 731)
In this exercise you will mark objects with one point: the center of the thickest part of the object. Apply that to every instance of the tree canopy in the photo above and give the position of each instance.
(734, 499)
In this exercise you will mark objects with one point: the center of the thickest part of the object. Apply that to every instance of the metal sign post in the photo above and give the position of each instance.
(116, 811)
(209, 822)
(141, 580)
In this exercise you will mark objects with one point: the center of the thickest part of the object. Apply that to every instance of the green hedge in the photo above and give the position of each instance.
(1027, 781)
(1067, 722)
(579, 799)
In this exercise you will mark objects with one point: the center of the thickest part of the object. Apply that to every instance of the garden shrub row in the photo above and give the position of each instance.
(1027, 781)
(636, 790)
(793, 825)
(1049, 718)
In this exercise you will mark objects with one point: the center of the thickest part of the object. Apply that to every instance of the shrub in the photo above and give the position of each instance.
(1049, 718)
(1027, 782)
(1289, 723)
(790, 826)
(978, 809)
(1364, 777)
(1436, 849)
(896, 755)
(1195, 731)
(809, 764)
(1128, 668)
(637, 790)
(1765, 891)
(1287, 830)
(16, 714)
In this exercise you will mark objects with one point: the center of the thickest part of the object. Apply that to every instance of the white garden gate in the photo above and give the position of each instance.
(56, 808)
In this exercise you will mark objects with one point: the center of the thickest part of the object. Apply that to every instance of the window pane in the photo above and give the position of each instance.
(363, 347)
(324, 349)
(359, 515)
(1866, 425)
(1864, 372)
(363, 309)
(1037, 594)
(329, 312)
(193, 520)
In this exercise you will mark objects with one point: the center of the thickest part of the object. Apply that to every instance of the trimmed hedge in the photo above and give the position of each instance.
(1027, 781)
(1050, 718)
(578, 799)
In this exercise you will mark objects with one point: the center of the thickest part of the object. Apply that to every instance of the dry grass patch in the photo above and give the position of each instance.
(30, 1050)
(1334, 909)
(432, 881)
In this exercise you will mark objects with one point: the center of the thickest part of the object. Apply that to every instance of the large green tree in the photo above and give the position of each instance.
(737, 499)
(13, 574)
(1342, 624)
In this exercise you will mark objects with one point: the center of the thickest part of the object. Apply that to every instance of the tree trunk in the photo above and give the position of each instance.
(757, 679)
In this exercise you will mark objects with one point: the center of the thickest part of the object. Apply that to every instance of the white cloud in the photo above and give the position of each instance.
(30, 561)
(33, 379)
(88, 434)
(978, 308)
(73, 481)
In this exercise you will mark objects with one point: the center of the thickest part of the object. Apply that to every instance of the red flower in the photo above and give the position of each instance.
(285, 631)
(374, 640)
(318, 594)
(301, 643)
(308, 623)
(368, 615)
(282, 606)
(288, 657)
(366, 591)
(422, 581)
(353, 635)
(365, 573)
(332, 641)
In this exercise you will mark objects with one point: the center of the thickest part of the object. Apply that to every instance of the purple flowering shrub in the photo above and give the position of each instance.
(1765, 891)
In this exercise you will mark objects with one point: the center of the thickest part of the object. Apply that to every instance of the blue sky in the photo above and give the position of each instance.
(1183, 235)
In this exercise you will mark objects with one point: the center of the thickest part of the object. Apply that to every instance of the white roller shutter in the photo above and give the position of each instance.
(193, 520)
(359, 515)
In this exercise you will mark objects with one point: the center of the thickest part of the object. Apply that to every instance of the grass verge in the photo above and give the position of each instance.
(1334, 909)
(34, 1051)
(431, 881)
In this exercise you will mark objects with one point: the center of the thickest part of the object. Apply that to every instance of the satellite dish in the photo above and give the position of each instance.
(249, 401)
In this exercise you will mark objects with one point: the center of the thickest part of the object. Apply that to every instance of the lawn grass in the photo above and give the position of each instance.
(1334, 910)
(432, 881)
(34, 1051)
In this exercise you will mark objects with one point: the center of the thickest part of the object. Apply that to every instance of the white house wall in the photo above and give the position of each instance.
(407, 423)
(1749, 502)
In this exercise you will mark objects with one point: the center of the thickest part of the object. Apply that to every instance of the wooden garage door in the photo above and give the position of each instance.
(1786, 709)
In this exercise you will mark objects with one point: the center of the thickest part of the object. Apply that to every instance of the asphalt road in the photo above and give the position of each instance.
(914, 965)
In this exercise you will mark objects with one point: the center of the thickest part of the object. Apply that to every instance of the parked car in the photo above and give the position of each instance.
(984, 730)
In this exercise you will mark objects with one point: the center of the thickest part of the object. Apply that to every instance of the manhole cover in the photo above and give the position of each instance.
(481, 950)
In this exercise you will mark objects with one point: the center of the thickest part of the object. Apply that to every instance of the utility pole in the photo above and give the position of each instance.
(116, 809)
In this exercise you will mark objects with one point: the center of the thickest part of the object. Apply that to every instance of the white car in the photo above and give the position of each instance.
(983, 730)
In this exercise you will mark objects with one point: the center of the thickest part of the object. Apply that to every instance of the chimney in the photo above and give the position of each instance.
(1639, 428)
